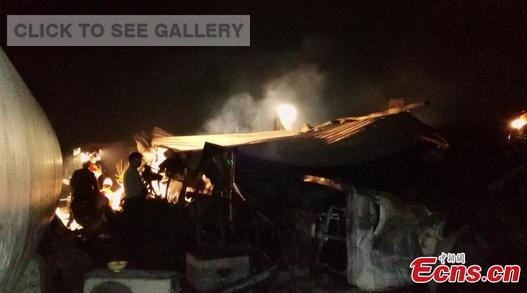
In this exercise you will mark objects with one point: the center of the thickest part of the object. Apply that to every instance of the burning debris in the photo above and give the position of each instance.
(345, 197)
(111, 193)
(517, 132)
(257, 201)
(520, 122)
(233, 197)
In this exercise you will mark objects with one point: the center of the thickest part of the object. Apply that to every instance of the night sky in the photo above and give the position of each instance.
(467, 58)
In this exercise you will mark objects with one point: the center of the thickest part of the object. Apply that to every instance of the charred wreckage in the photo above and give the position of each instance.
(345, 196)
(357, 197)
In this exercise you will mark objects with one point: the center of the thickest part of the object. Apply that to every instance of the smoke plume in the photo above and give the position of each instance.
(301, 87)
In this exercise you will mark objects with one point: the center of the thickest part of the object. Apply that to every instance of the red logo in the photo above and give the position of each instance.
(454, 270)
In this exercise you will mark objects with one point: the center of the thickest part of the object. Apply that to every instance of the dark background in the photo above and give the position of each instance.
(467, 58)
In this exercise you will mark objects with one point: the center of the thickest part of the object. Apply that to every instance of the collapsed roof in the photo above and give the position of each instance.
(344, 141)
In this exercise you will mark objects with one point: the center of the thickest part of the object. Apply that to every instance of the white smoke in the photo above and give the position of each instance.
(242, 112)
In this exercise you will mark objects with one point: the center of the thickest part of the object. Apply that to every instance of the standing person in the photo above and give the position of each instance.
(86, 204)
(135, 192)
(84, 183)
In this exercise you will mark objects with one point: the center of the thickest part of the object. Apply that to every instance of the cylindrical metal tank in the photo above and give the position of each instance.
(30, 174)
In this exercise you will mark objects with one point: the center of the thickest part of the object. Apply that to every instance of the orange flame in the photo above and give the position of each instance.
(519, 122)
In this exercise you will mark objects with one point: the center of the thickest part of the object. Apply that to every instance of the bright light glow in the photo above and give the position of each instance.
(115, 198)
(107, 181)
(98, 156)
(158, 159)
(287, 114)
(85, 157)
(160, 187)
(519, 122)
(63, 213)
(208, 185)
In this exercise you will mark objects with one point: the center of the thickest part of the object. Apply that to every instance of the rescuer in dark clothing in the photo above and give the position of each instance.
(87, 205)
(84, 183)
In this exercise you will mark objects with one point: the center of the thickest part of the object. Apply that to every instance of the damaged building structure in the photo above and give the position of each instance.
(356, 197)
(353, 196)
(348, 196)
